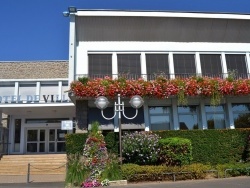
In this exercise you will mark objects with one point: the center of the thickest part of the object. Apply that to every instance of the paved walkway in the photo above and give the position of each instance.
(237, 182)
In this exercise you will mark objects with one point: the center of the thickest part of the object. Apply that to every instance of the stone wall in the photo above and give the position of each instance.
(33, 69)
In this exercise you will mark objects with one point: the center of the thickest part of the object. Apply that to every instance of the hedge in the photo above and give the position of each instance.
(133, 172)
(209, 146)
(214, 146)
(75, 142)
(175, 151)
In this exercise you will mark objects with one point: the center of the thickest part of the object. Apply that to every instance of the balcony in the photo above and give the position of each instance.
(163, 75)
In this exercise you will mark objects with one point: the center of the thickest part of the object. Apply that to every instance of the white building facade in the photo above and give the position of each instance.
(33, 103)
(173, 44)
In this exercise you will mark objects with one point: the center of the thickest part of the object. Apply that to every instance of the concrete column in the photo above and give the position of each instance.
(38, 90)
(171, 65)
(229, 115)
(198, 64)
(175, 115)
(143, 66)
(146, 116)
(203, 115)
(114, 66)
(60, 90)
(72, 45)
(224, 65)
(81, 115)
(248, 64)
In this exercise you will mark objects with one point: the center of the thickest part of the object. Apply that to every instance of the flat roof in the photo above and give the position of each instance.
(137, 13)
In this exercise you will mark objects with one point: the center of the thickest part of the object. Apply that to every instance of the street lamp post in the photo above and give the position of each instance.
(102, 103)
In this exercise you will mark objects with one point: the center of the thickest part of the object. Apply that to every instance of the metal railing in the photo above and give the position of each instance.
(163, 75)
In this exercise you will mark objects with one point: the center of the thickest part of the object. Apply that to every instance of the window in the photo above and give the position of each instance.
(241, 114)
(129, 65)
(188, 118)
(160, 117)
(157, 65)
(215, 117)
(184, 65)
(17, 133)
(211, 65)
(100, 65)
(49, 89)
(94, 114)
(236, 63)
(7, 89)
(27, 91)
(51, 120)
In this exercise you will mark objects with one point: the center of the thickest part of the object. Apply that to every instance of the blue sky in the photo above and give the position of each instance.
(36, 29)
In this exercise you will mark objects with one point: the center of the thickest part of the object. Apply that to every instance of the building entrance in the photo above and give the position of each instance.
(45, 140)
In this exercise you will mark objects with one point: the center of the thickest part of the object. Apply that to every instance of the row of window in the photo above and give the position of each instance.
(189, 117)
(28, 90)
(184, 64)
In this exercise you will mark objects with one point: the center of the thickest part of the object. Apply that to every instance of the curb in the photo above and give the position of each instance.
(118, 182)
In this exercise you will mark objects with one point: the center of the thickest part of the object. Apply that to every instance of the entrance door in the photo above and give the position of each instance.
(36, 142)
(57, 140)
(45, 140)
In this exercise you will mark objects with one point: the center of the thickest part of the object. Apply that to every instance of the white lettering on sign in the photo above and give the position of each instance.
(34, 99)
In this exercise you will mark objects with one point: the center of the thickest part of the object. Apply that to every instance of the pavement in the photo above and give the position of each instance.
(236, 182)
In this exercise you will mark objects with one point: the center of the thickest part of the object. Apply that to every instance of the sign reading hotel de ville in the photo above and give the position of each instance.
(34, 99)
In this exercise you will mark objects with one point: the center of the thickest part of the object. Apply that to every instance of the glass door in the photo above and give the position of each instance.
(36, 141)
(57, 140)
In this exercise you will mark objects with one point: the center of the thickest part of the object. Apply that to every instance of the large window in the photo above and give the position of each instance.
(215, 117)
(241, 114)
(27, 91)
(160, 117)
(211, 65)
(129, 65)
(157, 65)
(7, 89)
(236, 64)
(184, 65)
(188, 117)
(100, 65)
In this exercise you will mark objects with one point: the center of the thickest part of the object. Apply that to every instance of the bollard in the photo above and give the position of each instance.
(28, 173)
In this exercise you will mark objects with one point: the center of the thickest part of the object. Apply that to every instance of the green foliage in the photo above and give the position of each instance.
(233, 169)
(208, 146)
(133, 172)
(140, 148)
(76, 171)
(112, 141)
(83, 80)
(75, 143)
(214, 146)
(175, 151)
(95, 131)
(112, 170)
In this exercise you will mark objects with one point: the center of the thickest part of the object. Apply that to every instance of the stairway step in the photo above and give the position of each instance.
(39, 164)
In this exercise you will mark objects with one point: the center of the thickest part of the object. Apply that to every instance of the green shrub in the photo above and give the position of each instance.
(140, 148)
(112, 170)
(214, 146)
(175, 151)
(208, 146)
(236, 169)
(133, 172)
(83, 80)
(75, 143)
(112, 141)
(76, 171)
